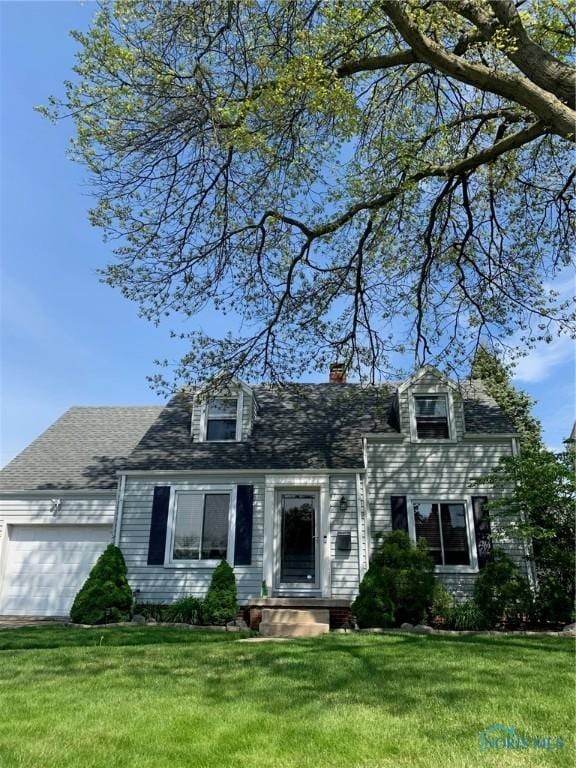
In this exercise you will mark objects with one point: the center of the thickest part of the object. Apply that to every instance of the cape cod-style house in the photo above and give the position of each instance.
(290, 485)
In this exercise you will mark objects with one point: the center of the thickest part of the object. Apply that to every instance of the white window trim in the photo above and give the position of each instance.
(239, 395)
(169, 562)
(470, 532)
(432, 391)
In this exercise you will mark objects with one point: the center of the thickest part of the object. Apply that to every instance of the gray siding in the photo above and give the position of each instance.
(344, 576)
(34, 508)
(437, 472)
(247, 410)
(195, 424)
(159, 584)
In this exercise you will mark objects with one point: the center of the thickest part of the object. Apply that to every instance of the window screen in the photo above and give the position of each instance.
(221, 418)
(201, 527)
(215, 532)
(443, 526)
(431, 416)
(188, 528)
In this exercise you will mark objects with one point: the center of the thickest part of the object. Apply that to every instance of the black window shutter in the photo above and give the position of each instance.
(243, 538)
(482, 530)
(157, 541)
(399, 513)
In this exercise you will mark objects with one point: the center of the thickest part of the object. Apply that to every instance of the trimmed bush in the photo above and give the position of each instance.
(501, 593)
(373, 607)
(398, 585)
(188, 610)
(220, 604)
(106, 595)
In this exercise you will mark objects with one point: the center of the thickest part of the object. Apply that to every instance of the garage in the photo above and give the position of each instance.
(44, 566)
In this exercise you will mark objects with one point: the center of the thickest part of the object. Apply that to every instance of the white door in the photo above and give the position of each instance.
(46, 565)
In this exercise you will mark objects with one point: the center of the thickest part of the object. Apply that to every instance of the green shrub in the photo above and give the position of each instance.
(106, 595)
(442, 603)
(187, 610)
(466, 616)
(554, 600)
(373, 607)
(220, 604)
(501, 593)
(156, 611)
(398, 585)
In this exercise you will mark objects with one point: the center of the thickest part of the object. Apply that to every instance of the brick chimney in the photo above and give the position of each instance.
(337, 373)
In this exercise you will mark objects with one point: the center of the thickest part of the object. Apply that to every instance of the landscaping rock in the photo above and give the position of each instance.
(569, 629)
(423, 629)
(151, 621)
(138, 619)
(407, 627)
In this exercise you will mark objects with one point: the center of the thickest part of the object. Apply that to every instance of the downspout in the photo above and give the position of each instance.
(367, 513)
(361, 530)
(119, 509)
(531, 566)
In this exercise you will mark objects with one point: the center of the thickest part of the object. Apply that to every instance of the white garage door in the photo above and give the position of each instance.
(46, 565)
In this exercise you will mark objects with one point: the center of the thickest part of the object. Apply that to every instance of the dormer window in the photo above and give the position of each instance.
(431, 417)
(223, 414)
(221, 418)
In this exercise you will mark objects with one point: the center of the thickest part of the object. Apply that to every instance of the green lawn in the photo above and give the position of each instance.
(156, 696)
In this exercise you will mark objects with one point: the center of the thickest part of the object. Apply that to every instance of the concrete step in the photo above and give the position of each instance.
(296, 616)
(292, 629)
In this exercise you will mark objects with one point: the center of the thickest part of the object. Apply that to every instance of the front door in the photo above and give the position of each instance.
(298, 567)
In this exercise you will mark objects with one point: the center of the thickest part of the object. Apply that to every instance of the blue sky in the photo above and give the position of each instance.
(66, 339)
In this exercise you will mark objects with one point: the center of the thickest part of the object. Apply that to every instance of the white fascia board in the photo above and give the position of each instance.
(490, 435)
(57, 493)
(234, 472)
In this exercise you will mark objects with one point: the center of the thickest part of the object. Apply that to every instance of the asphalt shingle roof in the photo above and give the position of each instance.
(84, 448)
(481, 413)
(312, 426)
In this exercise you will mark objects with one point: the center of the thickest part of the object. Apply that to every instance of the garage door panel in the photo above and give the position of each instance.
(37, 605)
(59, 533)
(47, 565)
(44, 569)
(53, 556)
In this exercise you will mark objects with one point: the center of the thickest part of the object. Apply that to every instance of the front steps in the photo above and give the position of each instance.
(294, 622)
(339, 613)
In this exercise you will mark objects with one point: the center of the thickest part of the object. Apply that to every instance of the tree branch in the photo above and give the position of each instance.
(501, 147)
(549, 109)
(370, 63)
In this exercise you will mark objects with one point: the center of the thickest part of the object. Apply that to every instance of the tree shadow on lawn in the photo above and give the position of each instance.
(308, 689)
(63, 636)
(528, 643)
(452, 698)
(389, 671)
